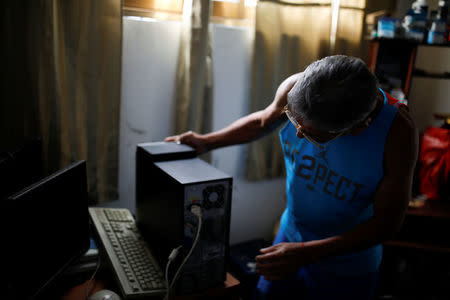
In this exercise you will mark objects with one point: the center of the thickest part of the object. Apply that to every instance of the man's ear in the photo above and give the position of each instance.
(361, 127)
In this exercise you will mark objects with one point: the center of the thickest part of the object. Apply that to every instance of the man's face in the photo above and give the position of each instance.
(315, 136)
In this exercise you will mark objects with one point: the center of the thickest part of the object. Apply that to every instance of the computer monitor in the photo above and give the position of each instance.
(48, 228)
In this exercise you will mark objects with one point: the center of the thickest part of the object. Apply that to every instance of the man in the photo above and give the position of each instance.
(350, 151)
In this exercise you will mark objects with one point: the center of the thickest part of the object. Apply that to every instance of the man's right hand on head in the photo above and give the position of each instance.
(190, 138)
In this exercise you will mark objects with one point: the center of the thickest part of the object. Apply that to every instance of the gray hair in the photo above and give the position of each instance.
(334, 94)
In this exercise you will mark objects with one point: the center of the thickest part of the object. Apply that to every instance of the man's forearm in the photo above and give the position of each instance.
(245, 129)
(362, 236)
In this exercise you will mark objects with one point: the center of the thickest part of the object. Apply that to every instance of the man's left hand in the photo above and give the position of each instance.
(281, 260)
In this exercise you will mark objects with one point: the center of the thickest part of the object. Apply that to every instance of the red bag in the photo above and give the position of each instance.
(434, 163)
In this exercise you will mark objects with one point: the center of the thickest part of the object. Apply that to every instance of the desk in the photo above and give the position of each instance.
(416, 264)
(425, 228)
(229, 290)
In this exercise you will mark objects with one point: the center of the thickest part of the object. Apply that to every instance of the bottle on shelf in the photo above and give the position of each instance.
(437, 32)
(443, 15)
(420, 7)
(415, 21)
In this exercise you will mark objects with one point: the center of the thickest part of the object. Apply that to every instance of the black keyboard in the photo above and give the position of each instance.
(136, 270)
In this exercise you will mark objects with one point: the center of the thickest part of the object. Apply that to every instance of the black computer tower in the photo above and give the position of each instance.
(169, 180)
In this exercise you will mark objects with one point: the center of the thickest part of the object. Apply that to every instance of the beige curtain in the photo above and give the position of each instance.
(289, 35)
(193, 102)
(74, 63)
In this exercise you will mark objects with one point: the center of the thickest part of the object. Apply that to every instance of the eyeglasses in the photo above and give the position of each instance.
(299, 129)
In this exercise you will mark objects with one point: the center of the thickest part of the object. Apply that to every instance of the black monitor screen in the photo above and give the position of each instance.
(49, 227)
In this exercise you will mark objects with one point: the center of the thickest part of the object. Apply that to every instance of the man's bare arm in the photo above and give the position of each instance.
(245, 129)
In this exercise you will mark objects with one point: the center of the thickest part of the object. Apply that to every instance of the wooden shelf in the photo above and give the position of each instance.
(407, 41)
(424, 227)
(434, 45)
(422, 73)
(392, 58)
(434, 209)
(432, 76)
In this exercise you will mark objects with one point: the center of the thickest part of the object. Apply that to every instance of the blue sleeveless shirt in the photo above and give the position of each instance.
(331, 190)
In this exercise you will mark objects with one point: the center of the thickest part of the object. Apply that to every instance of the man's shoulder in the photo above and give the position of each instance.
(403, 124)
(403, 139)
(280, 99)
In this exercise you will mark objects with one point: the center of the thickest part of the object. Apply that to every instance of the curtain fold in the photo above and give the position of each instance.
(194, 82)
(74, 65)
(87, 64)
(289, 35)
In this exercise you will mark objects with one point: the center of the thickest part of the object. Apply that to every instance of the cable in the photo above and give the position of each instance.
(93, 275)
(172, 257)
(197, 211)
(167, 280)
